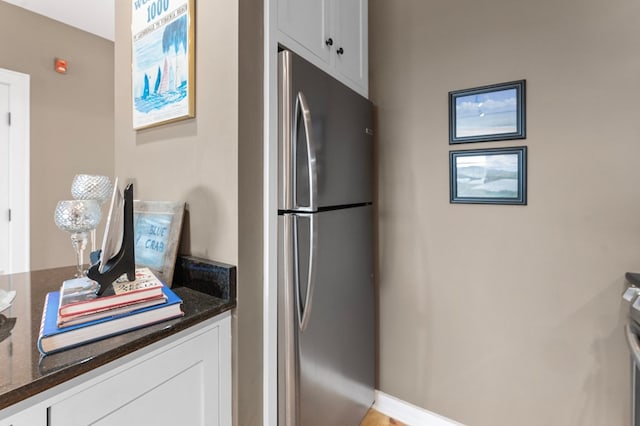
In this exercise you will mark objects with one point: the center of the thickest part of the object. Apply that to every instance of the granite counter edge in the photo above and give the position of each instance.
(63, 375)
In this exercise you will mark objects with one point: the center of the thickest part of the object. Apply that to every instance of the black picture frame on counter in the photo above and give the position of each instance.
(488, 113)
(489, 176)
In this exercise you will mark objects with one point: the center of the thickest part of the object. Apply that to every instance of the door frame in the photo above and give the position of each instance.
(19, 169)
(270, 218)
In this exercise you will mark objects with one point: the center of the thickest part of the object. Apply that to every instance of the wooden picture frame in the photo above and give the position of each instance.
(157, 227)
(162, 61)
(488, 113)
(489, 176)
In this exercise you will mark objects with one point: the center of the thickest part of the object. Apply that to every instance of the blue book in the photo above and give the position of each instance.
(53, 339)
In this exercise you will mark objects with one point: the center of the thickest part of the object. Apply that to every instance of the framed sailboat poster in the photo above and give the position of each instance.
(163, 71)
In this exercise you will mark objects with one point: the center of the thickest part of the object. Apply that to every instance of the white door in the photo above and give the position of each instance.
(351, 32)
(14, 172)
(307, 22)
(4, 177)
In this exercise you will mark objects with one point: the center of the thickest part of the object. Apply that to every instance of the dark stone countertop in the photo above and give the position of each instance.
(27, 373)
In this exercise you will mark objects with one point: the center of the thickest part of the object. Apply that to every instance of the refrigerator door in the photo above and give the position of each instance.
(325, 139)
(326, 361)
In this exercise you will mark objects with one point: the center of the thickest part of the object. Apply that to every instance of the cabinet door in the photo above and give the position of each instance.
(34, 416)
(306, 22)
(351, 48)
(185, 384)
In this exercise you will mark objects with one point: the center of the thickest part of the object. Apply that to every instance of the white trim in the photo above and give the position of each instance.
(18, 169)
(225, 385)
(270, 202)
(409, 413)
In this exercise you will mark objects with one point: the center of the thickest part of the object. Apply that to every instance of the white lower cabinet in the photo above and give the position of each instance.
(183, 382)
(34, 416)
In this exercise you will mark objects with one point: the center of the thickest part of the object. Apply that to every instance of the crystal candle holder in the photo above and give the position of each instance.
(78, 217)
(92, 187)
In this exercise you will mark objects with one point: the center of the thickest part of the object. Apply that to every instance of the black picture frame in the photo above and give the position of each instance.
(488, 113)
(485, 176)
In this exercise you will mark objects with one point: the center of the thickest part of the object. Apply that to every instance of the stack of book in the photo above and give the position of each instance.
(76, 315)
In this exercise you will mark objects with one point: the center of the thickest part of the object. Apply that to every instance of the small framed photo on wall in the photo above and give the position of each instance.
(487, 113)
(489, 176)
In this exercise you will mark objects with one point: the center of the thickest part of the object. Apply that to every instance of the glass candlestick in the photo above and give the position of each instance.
(78, 217)
(92, 187)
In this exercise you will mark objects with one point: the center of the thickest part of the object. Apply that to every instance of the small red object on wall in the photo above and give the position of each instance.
(61, 66)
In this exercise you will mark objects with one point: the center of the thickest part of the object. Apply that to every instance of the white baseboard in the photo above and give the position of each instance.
(408, 413)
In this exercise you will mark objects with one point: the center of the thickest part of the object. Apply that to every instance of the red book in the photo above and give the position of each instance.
(78, 296)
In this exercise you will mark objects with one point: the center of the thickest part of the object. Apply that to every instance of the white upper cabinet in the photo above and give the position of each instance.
(306, 22)
(331, 34)
(350, 49)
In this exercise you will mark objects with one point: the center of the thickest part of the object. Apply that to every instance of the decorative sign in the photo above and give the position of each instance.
(152, 233)
(157, 226)
(163, 72)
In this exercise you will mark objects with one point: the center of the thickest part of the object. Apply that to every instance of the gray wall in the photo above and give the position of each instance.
(213, 163)
(71, 117)
(508, 315)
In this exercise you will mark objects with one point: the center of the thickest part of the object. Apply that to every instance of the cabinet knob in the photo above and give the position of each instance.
(340, 51)
(329, 41)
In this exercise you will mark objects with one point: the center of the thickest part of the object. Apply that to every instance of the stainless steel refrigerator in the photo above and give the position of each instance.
(326, 327)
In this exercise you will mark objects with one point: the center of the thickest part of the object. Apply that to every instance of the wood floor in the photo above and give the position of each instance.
(374, 418)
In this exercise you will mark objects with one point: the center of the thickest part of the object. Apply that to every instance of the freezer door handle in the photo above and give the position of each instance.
(304, 312)
(302, 110)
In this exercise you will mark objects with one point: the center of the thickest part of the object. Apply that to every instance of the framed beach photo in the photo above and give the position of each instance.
(489, 176)
(163, 65)
(157, 227)
(487, 113)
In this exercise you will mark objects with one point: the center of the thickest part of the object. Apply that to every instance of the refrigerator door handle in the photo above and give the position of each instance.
(302, 109)
(304, 312)
(290, 335)
(634, 346)
(286, 181)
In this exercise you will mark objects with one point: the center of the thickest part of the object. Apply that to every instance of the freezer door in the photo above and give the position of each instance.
(325, 139)
(327, 377)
